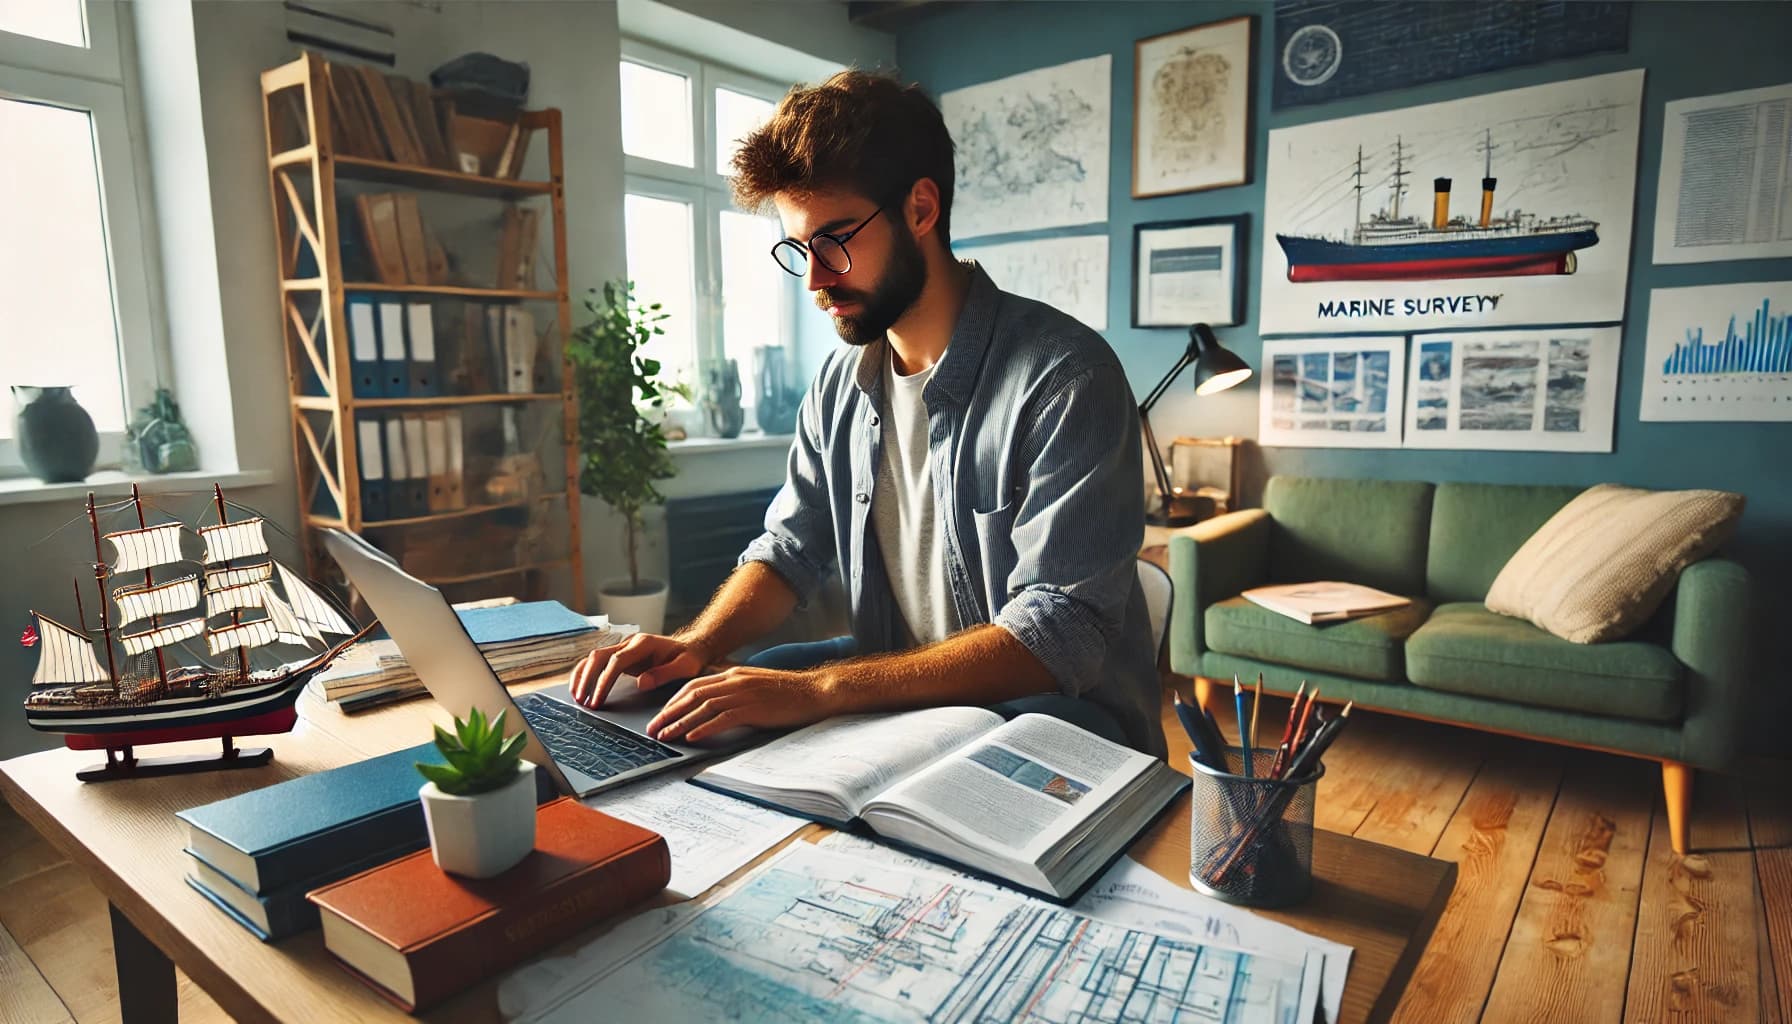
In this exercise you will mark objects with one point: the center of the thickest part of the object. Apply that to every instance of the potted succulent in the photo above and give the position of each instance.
(622, 405)
(480, 806)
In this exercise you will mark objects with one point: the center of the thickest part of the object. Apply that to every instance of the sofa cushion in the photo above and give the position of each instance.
(1367, 648)
(1602, 565)
(1464, 648)
(1358, 531)
(1475, 528)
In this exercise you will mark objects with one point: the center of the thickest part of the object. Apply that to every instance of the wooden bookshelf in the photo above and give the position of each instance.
(303, 181)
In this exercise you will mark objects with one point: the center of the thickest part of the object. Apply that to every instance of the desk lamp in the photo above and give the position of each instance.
(1215, 370)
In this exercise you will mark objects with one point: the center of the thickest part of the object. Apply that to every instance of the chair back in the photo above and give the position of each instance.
(1158, 596)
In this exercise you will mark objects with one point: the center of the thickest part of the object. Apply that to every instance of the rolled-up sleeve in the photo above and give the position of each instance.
(798, 542)
(1078, 527)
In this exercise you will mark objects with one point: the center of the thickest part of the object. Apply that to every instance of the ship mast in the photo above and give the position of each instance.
(99, 580)
(155, 619)
(1399, 176)
(1359, 196)
(236, 615)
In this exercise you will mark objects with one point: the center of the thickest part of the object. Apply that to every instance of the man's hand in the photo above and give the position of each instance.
(653, 660)
(747, 696)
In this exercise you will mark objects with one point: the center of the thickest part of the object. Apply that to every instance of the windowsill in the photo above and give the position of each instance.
(745, 442)
(24, 490)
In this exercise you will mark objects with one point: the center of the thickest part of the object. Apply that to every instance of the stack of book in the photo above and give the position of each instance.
(256, 855)
(520, 641)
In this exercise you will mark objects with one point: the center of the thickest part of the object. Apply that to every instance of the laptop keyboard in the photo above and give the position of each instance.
(598, 748)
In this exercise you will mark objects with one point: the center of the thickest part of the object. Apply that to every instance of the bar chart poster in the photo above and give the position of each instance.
(1722, 352)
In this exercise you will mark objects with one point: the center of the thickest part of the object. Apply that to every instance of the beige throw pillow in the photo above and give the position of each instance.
(1600, 567)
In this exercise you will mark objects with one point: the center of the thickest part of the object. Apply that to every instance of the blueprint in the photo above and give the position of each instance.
(818, 935)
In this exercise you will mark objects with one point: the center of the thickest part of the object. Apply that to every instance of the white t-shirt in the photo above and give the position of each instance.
(910, 531)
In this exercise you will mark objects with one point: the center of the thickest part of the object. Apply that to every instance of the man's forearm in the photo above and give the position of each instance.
(979, 666)
(752, 602)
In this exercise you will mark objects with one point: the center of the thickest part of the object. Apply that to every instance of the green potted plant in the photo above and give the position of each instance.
(621, 407)
(480, 805)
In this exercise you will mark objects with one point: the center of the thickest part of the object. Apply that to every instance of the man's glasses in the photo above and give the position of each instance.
(826, 248)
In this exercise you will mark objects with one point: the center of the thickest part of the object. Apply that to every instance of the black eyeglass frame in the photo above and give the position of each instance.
(838, 238)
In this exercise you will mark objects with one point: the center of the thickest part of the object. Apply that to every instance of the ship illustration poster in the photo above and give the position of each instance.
(1509, 208)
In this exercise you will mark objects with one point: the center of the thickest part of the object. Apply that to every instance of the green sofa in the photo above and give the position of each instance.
(1674, 692)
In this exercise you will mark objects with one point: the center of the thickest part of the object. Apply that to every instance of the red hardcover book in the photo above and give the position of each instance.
(418, 934)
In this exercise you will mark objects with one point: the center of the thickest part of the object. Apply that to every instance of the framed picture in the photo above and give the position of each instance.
(1332, 392)
(1191, 108)
(1189, 271)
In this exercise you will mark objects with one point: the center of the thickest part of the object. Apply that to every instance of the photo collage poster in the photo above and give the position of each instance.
(1532, 390)
(1332, 392)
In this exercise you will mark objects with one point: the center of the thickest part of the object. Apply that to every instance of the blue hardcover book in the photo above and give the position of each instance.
(280, 835)
(278, 914)
(525, 621)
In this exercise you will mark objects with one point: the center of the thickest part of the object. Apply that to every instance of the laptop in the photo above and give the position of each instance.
(584, 749)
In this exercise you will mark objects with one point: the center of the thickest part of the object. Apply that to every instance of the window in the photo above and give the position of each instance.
(72, 275)
(707, 263)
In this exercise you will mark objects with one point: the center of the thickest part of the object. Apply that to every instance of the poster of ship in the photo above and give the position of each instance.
(1509, 208)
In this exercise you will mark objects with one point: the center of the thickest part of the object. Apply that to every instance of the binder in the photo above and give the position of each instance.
(364, 348)
(425, 373)
(457, 462)
(519, 351)
(416, 459)
(371, 452)
(435, 445)
(398, 493)
(393, 351)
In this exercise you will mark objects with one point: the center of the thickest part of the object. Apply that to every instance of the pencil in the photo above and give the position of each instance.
(1256, 706)
(1244, 726)
(1275, 770)
(1306, 717)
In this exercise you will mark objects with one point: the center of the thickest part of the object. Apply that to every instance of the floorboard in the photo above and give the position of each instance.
(1493, 838)
(1770, 813)
(1775, 868)
(25, 997)
(1567, 958)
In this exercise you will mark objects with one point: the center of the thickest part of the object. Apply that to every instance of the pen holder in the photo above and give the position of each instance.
(1251, 839)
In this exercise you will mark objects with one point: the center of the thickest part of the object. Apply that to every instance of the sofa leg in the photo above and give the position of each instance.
(1203, 690)
(1676, 785)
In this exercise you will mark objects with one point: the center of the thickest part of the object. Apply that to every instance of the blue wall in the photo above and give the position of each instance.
(1689, 49)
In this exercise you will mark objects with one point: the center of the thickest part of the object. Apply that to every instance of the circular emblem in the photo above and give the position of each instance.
(1312, 55)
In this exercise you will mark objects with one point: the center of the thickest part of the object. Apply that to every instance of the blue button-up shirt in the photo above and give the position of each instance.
(1034, 445)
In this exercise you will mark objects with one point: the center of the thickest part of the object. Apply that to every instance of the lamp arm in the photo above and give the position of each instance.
(1188, 356)
(1158, 469)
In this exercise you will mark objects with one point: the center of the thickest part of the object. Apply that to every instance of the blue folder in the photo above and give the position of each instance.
(364, 347)
(424, 372)
(394, 351)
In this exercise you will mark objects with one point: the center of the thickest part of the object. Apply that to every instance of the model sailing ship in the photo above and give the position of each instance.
(190, 654)
(1390, 246)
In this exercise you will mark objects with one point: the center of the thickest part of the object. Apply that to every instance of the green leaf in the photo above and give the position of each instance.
(446, 742)
(513, 748)
(446, 779)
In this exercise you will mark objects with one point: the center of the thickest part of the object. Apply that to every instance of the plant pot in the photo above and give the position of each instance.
(645, 607)
(484, 834)
(57, 442)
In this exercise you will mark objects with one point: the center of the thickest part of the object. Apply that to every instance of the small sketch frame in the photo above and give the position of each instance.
(1178, 144)
(1171, 286)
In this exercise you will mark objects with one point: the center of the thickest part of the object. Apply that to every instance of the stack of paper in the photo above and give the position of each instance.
(1324, 602)
(520, 641)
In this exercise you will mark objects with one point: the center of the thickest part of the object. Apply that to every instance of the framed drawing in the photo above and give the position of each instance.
(1191, 109)
(1189, 271)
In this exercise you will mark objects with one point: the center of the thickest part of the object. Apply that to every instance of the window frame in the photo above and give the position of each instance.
(91, 79)
(707, 190)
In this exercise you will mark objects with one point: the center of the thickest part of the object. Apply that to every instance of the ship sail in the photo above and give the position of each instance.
(161, 599)
(150, 639)
(249, 634)
(146, 548)
(224, 579)
(310, 607)
(235, 540)
(67, 656)
(249, 595)
(292, 630)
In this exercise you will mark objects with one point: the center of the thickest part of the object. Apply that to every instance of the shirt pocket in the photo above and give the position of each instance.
(995, 550)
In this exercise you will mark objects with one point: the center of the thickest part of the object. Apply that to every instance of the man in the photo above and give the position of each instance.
(969, 462)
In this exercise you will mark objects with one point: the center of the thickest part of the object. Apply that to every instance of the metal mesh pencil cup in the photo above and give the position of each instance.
(1251, 840)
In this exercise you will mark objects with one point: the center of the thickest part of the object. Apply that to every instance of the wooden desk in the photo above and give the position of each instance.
(1382, 901)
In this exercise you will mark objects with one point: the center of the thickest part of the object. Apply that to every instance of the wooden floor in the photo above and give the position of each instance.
(1569, 906)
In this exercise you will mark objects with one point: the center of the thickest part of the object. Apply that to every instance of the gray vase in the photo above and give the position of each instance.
(57, 442)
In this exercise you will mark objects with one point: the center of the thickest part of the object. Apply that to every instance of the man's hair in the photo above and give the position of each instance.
(858, 132)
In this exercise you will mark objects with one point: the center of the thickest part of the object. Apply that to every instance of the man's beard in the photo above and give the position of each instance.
(904, 277)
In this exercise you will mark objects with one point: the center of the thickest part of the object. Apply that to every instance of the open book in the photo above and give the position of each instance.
(1036, 801)
(1313, 603)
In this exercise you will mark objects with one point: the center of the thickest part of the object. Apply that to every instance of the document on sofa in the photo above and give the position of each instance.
(1319, 603)
(1036, 802)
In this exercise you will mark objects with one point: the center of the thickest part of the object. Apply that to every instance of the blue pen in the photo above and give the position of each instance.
(1191, 724)
(1244, 726)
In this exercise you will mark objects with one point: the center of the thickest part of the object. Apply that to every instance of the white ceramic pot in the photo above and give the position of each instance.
(647, 610)
(484, 834)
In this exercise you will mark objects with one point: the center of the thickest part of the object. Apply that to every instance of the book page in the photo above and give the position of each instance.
(1020, 788)
(853, 757)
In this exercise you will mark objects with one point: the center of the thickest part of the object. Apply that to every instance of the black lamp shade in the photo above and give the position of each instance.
(1216, 368)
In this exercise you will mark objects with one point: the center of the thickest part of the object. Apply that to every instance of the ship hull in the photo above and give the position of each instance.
(1317, 259)
(243, 711)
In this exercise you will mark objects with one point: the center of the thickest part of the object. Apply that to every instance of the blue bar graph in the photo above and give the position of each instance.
(1764, 347)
